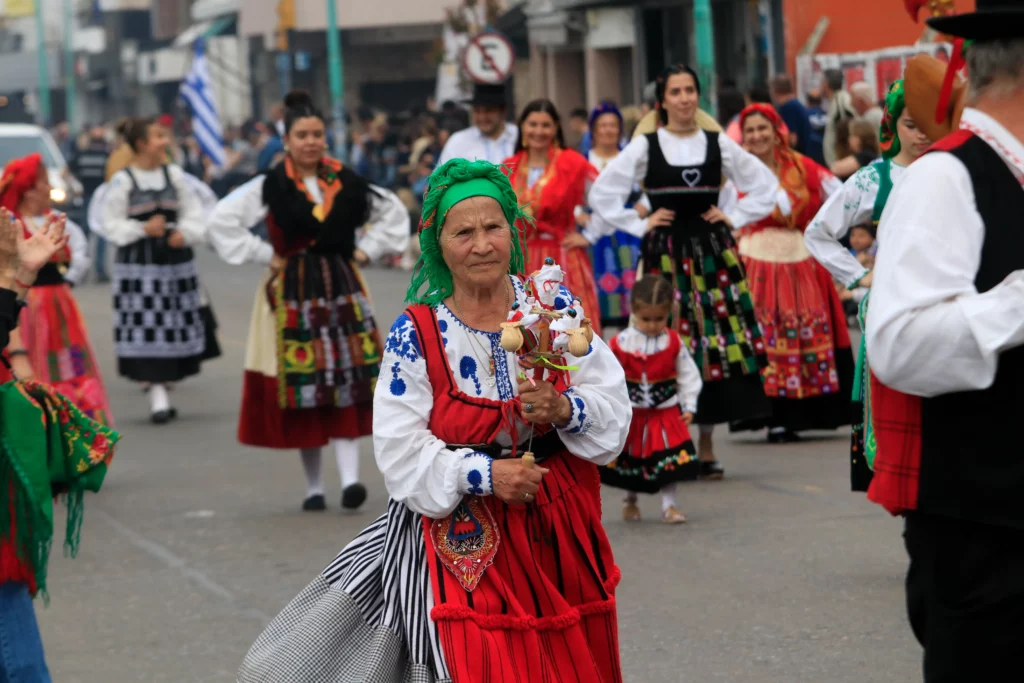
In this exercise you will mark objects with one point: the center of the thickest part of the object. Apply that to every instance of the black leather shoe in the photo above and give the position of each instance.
(162, 417)
(353, 496)
(783, 437)
(314, 503)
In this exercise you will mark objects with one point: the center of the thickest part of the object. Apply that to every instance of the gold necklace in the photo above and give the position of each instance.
(489, 380)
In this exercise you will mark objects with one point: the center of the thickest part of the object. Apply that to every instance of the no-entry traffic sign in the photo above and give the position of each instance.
(488, 58)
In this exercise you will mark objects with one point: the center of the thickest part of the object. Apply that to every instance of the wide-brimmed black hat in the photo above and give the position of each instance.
(991, 20)
(488, 95)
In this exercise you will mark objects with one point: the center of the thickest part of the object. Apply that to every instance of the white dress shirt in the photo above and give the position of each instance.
(929, 331)
(473, 145)
(853, 205)
(613, 186)
(230, 223)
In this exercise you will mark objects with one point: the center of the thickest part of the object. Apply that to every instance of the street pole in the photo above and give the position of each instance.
(70, 93)
(43, 80)
(335, 68)
(704, 36)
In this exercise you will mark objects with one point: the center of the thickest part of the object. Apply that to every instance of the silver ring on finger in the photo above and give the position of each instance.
(527, 497)
(529, 409)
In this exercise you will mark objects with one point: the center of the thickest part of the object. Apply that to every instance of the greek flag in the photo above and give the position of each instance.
(197, 92)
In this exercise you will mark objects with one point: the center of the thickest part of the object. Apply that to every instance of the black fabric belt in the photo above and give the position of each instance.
(543, 447)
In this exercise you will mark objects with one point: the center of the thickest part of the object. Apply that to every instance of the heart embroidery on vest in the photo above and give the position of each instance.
(691, 176)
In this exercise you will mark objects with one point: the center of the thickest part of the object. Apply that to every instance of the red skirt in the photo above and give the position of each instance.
(579, 273)
(544, 610)
(810, 363)
(658, 451)
(55, 336)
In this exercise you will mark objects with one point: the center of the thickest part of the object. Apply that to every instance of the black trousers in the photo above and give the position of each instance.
(965, 598)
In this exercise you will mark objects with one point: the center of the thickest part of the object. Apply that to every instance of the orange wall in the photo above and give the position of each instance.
(855, 26)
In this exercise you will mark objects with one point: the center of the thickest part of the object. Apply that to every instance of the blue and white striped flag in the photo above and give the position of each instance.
(196, 90)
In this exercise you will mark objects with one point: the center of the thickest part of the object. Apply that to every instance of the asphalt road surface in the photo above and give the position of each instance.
(196, 542)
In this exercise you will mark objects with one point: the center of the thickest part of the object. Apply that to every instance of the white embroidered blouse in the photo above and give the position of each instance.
(118, 228)
(418, 468)
(230, 235)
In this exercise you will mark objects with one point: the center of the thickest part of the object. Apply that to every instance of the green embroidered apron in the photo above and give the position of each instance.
(864, 432)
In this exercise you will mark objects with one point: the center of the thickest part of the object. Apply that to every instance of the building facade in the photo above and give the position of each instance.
(389, 49)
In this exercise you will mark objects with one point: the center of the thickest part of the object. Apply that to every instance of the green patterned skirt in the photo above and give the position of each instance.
(714, 314)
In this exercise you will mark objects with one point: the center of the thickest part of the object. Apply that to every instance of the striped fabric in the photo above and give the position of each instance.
(197, 91)
(365, 619)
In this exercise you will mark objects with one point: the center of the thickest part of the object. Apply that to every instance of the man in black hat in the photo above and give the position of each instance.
(490, 137)
(945, 336)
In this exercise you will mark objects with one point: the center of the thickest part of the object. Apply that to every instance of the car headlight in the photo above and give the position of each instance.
(58, 195)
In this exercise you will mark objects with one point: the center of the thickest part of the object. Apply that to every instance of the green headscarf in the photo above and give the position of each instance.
(887, 134)
(449, 184)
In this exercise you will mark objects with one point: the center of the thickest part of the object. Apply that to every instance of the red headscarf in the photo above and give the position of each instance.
(799, 176)
(20, 176)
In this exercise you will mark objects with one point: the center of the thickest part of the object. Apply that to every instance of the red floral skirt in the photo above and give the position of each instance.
(658, 451)
(804, 327)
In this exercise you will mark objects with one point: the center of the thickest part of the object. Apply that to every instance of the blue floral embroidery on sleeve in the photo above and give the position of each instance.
(402, 340)
(467, 368)
(579, 422)
(476, 476)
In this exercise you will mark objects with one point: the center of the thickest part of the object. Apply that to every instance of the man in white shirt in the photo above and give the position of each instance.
(490, 137)
(945, 334)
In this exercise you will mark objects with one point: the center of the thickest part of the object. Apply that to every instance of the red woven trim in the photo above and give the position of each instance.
(507, 622)
(951, 141)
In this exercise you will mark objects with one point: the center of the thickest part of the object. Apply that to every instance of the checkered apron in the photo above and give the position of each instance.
(156, 287)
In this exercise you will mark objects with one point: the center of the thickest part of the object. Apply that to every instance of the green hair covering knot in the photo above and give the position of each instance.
(888, 135)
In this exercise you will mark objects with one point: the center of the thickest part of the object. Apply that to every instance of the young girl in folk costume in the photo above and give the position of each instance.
(861, 199)
(154, 218)
(616, 255)
(52, 342)
(314, 349)
(664, 384)
(810, 364)
(688, 240)
(550, 181)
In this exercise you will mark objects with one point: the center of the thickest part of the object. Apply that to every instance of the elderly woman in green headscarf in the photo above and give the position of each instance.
(860, 203)
(486, 566)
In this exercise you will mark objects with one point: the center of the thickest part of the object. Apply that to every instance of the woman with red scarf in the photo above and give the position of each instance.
(810, 364)
(551, 181)
(51, 343)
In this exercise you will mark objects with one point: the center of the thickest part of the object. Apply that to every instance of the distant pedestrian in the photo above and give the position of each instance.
(793, 113)
(491, 137)
(89, 166)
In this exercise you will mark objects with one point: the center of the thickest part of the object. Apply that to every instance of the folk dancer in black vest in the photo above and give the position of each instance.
(314, 349)
(153, 216)
(945, 336)
(688, 239)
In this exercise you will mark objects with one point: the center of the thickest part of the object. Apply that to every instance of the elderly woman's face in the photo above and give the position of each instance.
(476, 243)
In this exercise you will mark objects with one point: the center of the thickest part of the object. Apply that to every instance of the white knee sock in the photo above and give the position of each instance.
(668, 496)
(311, 466)
(347, 453)
(158, 398)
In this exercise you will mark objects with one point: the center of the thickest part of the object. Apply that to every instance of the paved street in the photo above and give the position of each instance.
(195, 542)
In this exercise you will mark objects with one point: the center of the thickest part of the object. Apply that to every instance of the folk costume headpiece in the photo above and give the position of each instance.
(767, 111)
(449, 184)
(889, 137)
(20, 176)
(599, 111)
